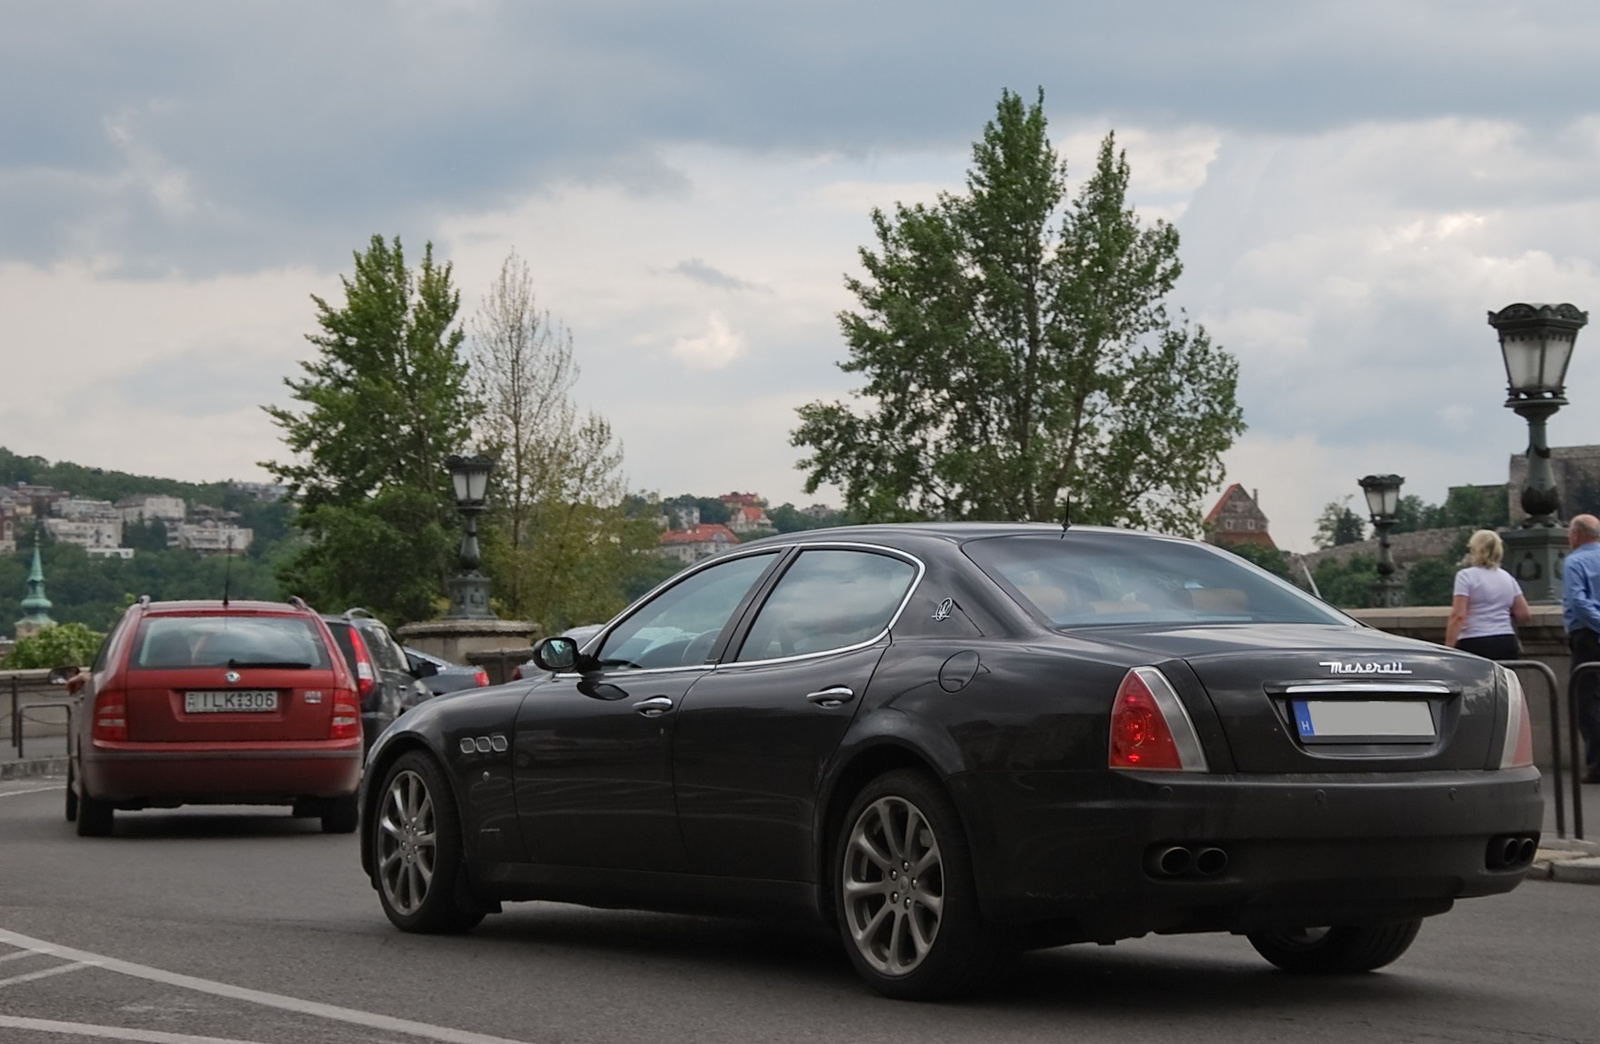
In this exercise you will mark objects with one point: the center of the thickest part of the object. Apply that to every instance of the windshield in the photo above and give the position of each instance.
(1085, 577)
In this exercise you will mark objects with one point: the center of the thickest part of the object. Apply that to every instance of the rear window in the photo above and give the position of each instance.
(1085, 577)
(228, 641)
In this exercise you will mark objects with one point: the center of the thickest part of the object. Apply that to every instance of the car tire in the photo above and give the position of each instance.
(914, 932)
(417, 851)
(1340, 950)
(94, 816)
(341, 815)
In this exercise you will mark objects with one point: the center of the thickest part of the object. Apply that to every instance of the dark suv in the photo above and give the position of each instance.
(384, 677)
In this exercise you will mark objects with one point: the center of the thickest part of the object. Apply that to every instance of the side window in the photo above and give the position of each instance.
(385, 652)
(680, 625)
(828, 599)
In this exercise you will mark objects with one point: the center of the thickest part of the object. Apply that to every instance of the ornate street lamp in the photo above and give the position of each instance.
(1383, 504)
(469, 590)
(1536, 342)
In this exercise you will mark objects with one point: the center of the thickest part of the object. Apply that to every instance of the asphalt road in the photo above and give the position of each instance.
(249, 926)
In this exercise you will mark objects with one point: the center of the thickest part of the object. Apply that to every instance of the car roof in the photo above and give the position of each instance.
(217, 607)
(896, 533)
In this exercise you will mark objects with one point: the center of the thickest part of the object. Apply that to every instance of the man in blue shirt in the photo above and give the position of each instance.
(1580, 611)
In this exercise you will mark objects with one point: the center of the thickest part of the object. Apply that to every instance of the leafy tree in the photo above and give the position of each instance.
(1430, 581)
(1018, 356)
(1268, 558)
(561, 541)
(786, 518)
(384, 403)
(1348, 585)
(64, 645)
(1339, 525)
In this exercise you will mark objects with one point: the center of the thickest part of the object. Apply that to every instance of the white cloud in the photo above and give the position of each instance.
(712, 350)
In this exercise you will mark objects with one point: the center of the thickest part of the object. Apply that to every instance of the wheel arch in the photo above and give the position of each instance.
(372, 789)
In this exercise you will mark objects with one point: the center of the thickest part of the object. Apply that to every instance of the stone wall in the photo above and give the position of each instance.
(1406, 547)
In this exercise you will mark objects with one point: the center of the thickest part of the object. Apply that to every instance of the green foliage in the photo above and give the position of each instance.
(384, 403)
(1018, 357)
(64, 645)
(1268, 558)
(786, 518)
(1339, 525)
(1431, 581)
(712, 511)
(1347, 585)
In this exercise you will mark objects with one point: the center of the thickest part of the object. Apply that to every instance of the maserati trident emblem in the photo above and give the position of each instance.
(232, 677)
(1342, 668)
(944, 609)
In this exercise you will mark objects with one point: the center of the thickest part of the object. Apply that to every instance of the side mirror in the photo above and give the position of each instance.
(557, 654)
(62, 675)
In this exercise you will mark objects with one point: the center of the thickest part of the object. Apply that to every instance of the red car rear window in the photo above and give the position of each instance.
(164, 642)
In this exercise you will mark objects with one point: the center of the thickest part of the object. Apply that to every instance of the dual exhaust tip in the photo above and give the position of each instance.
(1181, 861)
(1511, 850)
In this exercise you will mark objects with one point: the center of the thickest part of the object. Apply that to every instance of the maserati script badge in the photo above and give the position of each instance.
(1340, 667)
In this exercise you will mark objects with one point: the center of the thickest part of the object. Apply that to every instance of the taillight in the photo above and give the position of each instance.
(366, 677)
(1518, 749)
(482, 677)
(346, 723)
(111, 716)
(516, 673)
(1150, 728)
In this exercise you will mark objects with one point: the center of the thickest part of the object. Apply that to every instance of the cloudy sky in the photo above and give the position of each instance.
(1356, 184)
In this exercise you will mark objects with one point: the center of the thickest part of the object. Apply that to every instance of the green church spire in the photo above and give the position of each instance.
(35, 607)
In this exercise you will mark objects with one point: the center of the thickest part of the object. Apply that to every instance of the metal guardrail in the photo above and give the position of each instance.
(1553, 687)
(19, 715)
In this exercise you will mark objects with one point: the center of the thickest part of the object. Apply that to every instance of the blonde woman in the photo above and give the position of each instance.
(1488, 603)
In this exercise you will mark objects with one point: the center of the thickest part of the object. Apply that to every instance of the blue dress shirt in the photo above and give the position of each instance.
(1580, 584)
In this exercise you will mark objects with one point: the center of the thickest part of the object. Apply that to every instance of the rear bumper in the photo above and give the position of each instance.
(134, 774)
(1079, 850)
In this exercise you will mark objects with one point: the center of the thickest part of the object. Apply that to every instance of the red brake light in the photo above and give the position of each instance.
(111, 716)
(1149, 727)
(346, 723)
(366, 677)
(482, 677)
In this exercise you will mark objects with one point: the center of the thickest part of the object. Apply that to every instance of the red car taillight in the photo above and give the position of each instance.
(111, 716)
(366, 677)
(482, 677)
(1149, 727)
(1518, 749)
(346, 723)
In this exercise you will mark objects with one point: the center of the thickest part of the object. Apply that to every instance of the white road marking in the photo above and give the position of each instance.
(45, 973)
(35, 790)
(17, 956)
(269, 1000)
(84, 1029)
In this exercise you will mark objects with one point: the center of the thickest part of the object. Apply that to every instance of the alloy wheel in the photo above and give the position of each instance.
(408, 849)
(893, 886)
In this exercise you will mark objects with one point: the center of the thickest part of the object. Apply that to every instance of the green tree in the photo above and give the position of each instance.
(64, 645)
(1339, 525)
(384, 401)
(1347, 585)
(1268, 558)
(1018, 357)
(1431, 581)
(561, 541)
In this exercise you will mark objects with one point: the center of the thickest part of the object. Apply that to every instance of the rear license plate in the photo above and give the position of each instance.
(1364, 721)
(230, 700)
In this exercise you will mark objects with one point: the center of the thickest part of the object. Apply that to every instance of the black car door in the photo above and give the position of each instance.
(593, 751)
(753, 735)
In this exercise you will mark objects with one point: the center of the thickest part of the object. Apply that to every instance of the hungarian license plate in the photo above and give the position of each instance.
(230, 700)
(1364, 721)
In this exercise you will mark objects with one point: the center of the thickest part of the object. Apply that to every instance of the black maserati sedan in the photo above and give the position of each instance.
(957, 741)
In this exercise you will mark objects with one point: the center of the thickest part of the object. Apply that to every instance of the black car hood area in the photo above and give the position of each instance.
(1255, 679)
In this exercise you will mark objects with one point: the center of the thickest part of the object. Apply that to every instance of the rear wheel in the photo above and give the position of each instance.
(907, 902)
(416, 843)
(1340, 950)
(72, 795)
(94, 816)
(341, 815)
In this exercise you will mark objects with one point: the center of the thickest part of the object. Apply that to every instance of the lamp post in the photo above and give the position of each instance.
(1536, 342)
(469, 590)
(1383, 505)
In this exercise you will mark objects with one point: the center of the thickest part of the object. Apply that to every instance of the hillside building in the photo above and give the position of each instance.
(1238, 519)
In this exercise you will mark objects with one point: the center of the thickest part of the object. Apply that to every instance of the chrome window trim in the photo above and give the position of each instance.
(894, 618)
(1334, 687)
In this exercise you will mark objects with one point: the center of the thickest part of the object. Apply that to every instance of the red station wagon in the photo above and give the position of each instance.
(215, 703)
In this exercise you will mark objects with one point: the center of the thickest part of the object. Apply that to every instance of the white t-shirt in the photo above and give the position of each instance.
(1490, 592)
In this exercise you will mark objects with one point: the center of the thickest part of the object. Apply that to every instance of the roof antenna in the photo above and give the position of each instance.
(1066, 517)
(227, 572)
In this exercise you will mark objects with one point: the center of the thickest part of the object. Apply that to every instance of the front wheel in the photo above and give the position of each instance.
(907, 901)
(416, 842)
(1340, 950)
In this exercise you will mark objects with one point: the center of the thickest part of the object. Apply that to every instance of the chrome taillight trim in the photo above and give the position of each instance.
(1184, 736)
(1517, 717)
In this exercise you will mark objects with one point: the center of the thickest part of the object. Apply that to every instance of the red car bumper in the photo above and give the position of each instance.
(134, 774)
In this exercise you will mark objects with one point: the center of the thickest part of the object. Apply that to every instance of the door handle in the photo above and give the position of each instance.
(654, 707)
(831, 697)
